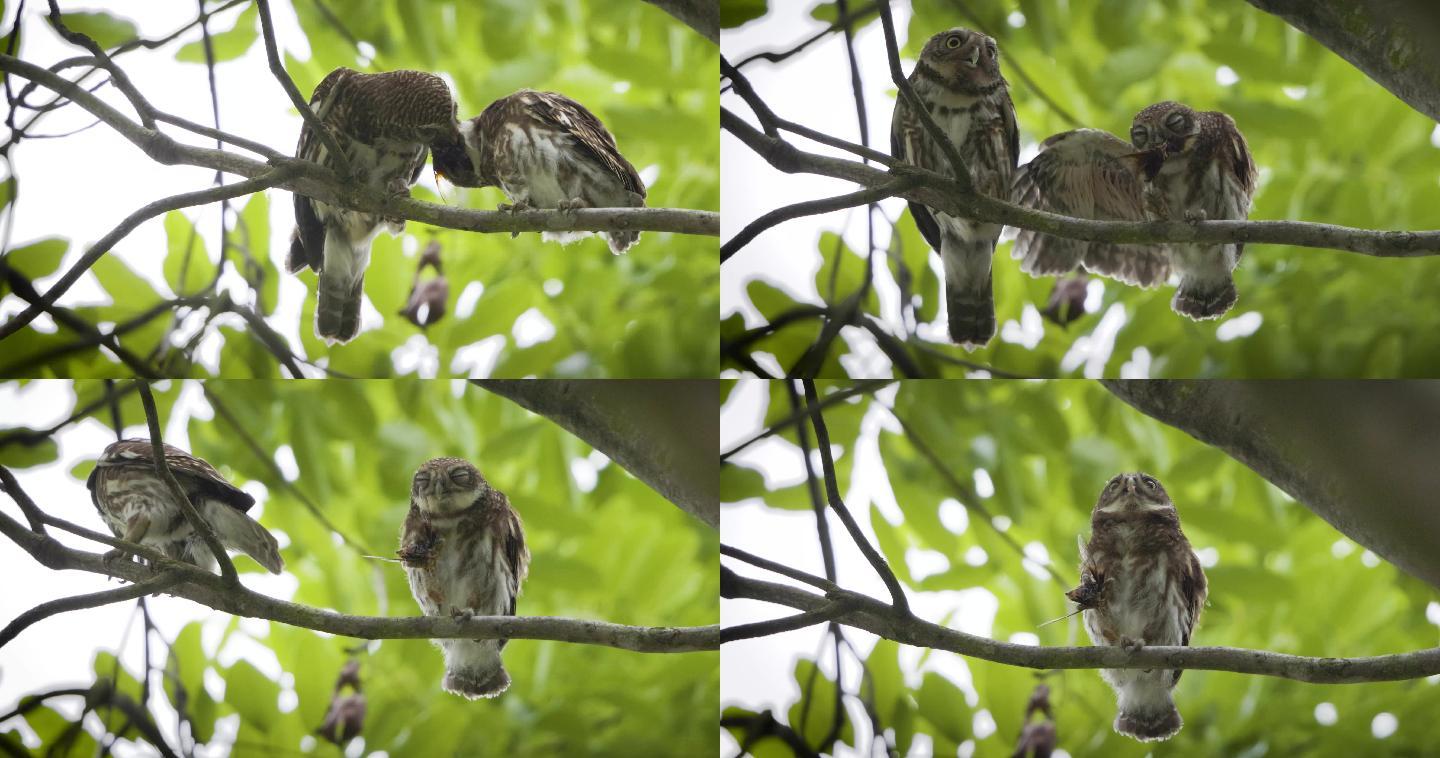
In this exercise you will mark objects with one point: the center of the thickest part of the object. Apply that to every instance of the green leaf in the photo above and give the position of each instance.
(226, 45)
(19, 455)
(943, 705)
(252, 695)
(733, 13)
(38, 259)
(107, 30)
(815, 717)
(187, 268)
(253, 233)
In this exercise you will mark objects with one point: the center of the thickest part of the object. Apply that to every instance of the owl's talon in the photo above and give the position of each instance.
(1195, 214)
(572, 205)
(523, 205)
(1132, 644)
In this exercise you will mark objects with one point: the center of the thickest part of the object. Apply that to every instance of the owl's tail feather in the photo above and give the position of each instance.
(1149, 726)
(240, 532)
(969, 296)
(342, 283)
(1204, 299)
(476, 682)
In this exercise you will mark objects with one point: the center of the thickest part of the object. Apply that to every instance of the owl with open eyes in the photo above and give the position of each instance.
(464, 554)
(1180, 165)
(958, 80)
(1140, 584)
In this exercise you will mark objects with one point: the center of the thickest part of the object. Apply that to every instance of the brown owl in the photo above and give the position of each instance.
(958, 78)
(1180, 165)
(138, 507)
(386, 123)
(546, 151)
(1140, 584)
(464, 553)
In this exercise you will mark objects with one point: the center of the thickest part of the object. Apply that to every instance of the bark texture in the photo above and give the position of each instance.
(1392, 41)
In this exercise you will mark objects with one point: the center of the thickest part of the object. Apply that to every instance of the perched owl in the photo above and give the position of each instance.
(1140, 584)
(1179, 165)
(138, 507)
(386, 123)
(958, 78)
(545, 151)
(464, 553)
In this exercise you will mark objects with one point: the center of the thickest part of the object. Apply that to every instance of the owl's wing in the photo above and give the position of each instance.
(1193, 589)
(194, 474)
(1237, 169)
(560, 112)
(905, 133)
(308, 247)
(1086, 173)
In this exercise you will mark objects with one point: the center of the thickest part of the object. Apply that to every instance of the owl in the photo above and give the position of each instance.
(1179, 165)
(958, 79)
(1140, 584)
(386, 123)
(546, 151)
(138, 507)
(464, 553)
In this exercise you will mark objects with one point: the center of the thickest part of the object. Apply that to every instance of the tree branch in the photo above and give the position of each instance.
(882, 619)
(663, 432)
(832, 492)
(1392, 41)
(701, 15)
(948, 196)
(212, 591)
(43, 611)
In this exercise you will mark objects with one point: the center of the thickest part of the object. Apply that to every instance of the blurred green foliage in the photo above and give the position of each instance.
(1283, 579)
(619, 553)
(1331, 145)
(649, 313)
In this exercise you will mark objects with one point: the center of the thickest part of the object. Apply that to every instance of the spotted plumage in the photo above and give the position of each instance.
(958, 78)
(138, 507)
(386, 123)
(1140, 584)
(464, 553)
(546, 151)
(1179, 165)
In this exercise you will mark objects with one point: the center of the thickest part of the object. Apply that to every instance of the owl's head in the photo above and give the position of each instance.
(1135, 491)
(964, 58)
(447, 485)
(1169, 127)
(453, 156)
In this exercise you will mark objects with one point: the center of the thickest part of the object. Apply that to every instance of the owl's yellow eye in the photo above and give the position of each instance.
(953, 42)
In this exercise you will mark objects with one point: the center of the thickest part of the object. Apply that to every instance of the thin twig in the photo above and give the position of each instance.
(832, 491)
(93, 600)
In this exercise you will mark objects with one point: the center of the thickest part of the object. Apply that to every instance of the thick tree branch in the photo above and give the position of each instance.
(701, 15)
(1359, 457)
(665, 433)
(212, 591)
(1392, 41)
(939, 192)
(177, 493)
(882, 619)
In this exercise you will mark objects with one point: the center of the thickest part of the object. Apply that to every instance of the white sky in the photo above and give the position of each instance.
(758, 673)
(117, 178)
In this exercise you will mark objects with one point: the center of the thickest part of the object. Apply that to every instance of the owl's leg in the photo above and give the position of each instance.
(1132, 644)
(134, 532)
(1195, 214)
(573, 204)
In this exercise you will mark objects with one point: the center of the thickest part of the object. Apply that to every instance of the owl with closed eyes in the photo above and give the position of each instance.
(464, 553)
(1180, 165)
(1140, 584)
